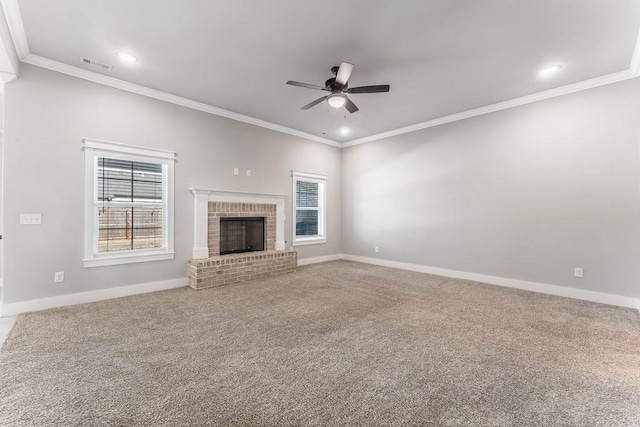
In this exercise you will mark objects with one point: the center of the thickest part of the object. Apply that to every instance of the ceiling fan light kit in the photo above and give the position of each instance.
(336, 101)
(339, 87)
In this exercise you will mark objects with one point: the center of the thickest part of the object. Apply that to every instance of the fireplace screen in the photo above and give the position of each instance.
(241, 235)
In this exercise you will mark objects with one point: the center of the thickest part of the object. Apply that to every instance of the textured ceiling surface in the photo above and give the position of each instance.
(440, 57)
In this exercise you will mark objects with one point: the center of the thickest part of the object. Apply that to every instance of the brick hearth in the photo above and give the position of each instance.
(217, 270)
(226, 269)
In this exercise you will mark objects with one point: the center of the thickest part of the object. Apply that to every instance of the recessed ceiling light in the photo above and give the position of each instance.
(548, 71)
(344, 131)
(127, 57)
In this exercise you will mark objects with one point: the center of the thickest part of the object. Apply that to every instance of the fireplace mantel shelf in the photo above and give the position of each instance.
(208, 191)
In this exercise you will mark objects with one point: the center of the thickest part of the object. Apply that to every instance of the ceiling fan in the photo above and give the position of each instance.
(339, 88)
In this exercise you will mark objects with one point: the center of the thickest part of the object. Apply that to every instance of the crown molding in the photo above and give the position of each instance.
(16, 27)
(516, 102)
(185, 102)
(163, 96)
(632, 72)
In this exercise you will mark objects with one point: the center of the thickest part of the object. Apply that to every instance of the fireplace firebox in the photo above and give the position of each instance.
(241, 234)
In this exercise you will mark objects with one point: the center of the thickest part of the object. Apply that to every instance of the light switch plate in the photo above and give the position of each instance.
(30, 219)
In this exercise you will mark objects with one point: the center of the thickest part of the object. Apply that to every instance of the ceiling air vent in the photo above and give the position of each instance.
(95, 63)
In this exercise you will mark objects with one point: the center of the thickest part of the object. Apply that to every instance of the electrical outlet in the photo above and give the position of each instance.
(236, 171)
(30, 219)
(58, 276)
(248, 172)
(377, 249)
(578, 272)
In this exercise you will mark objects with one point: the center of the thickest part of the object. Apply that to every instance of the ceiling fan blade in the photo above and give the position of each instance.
(369, 89)
(314, 103)
(307, 85)
(344, 72)
(350, 106)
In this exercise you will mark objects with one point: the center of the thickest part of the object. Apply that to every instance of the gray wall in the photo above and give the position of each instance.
(48, 114)
(527, 193)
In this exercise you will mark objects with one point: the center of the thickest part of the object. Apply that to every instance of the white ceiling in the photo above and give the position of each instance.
(440, 57)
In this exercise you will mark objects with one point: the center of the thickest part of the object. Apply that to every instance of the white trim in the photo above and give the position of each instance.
(93, 149)
(316, 260)
(129, 258)
(16, 27)
(200, 252)
(580, 294)
(309, 241)
(117, 147)
(200, 224)
(156, 94)
(312, 176)
(9, 58)
(321, 180)
(223, 193)
(201, 199)
(11, 309)
(516, 102)
(163, 96)
(152, 93)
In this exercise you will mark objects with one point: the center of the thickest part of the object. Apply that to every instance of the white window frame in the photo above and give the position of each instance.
(94, 149)
(322, 208)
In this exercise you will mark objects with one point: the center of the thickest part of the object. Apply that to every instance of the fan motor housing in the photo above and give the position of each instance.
(332, 86)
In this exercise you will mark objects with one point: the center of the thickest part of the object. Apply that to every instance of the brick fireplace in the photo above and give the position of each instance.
(208, 268)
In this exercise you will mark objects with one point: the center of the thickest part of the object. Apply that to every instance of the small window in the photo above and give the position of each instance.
(309, 195)
(129, 204)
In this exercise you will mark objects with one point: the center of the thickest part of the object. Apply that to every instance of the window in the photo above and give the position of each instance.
(128, 204)
(309, 196)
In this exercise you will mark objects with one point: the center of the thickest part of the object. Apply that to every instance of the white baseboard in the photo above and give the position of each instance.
(581, 294)
(307, 261)
(12, 309)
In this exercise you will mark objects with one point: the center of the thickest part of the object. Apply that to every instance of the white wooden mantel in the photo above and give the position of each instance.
(201, 199)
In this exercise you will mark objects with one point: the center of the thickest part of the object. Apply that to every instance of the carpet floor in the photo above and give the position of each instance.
(337, 343)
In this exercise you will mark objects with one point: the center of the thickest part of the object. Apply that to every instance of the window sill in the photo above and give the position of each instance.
(127, 259)
(314, 241)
